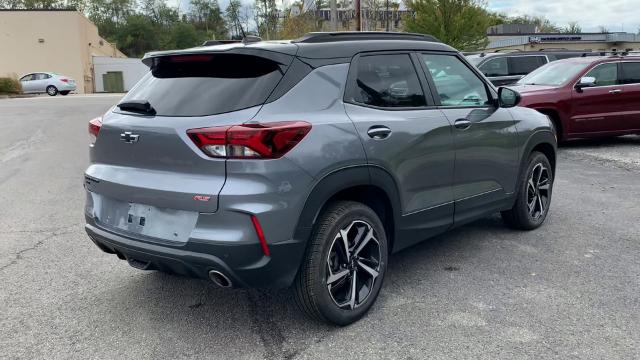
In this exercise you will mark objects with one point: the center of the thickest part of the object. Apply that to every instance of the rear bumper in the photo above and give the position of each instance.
(66, 87)
(243, 264)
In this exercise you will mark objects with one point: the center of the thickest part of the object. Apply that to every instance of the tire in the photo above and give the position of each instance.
(323, 287)
(534, 195)
(52, 90)
(64, 93)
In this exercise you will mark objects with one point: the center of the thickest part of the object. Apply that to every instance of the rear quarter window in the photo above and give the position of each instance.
(207, 84)
(522, 65)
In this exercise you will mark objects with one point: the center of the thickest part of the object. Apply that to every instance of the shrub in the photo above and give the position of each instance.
(9, 85)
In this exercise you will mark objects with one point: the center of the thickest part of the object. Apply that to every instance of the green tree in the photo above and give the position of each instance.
(266, 18)
(460, 23)
(137, 36)
(184, 36)
(205, 15)
(294, 27)
(233, 14)
(572, 28)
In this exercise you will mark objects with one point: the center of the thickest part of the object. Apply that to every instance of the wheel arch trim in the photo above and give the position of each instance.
(340, 180)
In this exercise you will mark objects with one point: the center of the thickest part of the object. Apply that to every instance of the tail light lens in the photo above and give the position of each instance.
(64, 80)
(94, 130)
(250, 141)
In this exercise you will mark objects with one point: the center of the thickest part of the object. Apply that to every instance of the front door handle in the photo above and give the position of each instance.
(378, 132)
(462, 124)
(615, 91)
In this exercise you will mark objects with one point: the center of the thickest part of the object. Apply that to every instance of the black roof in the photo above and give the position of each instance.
(325, 45)
(323, 37)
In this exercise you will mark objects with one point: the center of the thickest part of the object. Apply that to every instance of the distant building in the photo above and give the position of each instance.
(60, 41)
(519, 37)
(511, 29)
(372, 20)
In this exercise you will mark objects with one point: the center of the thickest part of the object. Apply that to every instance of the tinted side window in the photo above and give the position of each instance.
(27, 77)
(495, 67)
(456, 84)
(387, 81)
(605, 74)
(522, 65)
(631, 72)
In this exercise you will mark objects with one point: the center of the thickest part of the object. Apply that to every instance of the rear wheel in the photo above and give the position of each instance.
(344, 266)
(66, 92)
(52, 90)
(534, 195)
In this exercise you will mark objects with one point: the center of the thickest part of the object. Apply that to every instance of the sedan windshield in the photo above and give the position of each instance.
(554, 74)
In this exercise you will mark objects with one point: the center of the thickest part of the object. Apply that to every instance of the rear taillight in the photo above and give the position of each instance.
(250, 141)
(64, 80)
(94, 130)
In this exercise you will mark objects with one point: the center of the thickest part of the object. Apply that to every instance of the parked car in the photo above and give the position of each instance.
(47, 82)
(587, 97)
(306, 163)
(508, 68)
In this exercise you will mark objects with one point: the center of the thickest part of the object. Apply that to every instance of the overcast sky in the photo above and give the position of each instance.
(615, 15)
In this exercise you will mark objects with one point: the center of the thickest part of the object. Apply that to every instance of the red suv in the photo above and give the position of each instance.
(587, 96)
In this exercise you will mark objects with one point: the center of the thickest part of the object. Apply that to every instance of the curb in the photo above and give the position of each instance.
(19, 96)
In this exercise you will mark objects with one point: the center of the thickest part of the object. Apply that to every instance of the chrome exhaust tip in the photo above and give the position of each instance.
(220, 279)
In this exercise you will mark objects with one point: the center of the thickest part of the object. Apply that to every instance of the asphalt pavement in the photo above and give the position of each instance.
(569, 290)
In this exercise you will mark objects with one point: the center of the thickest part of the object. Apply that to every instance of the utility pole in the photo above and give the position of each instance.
(386, 15)
(266, 18)
(334, 15)
(358, 20)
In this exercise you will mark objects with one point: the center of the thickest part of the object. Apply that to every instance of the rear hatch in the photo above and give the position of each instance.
(146, 175)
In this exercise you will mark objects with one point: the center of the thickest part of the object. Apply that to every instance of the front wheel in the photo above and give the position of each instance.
(534, 195)
(345, 264)
(52, 90)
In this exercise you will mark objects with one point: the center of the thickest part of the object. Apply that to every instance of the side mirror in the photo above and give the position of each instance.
(586, 81)
(508, 97)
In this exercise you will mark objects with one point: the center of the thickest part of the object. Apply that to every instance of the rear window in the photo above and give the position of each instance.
(207, 84)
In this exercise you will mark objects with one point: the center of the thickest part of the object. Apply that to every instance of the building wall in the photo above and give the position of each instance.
(53, 41)
(587, 46)
(583, 41)
(132, 70)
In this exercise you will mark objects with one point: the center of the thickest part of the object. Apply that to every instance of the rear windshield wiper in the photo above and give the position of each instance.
(137, 106)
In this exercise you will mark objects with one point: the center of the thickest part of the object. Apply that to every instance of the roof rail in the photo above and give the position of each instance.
(507, 50)
(322, 37)
(218, 42)
(251, 39)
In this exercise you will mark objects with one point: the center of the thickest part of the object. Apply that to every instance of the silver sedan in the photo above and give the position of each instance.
(47, 82)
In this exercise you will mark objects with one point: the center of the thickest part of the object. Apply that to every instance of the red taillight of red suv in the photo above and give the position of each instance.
(94, 129)
(250, 141)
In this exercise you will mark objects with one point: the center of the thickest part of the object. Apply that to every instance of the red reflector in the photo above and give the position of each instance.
(260, 233)
(250, 141)
(94, 129)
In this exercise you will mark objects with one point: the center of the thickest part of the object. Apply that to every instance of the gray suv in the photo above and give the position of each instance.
(305, 163)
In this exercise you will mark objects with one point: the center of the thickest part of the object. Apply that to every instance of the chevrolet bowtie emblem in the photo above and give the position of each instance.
(129, 138)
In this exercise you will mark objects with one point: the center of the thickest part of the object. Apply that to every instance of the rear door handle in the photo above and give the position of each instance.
(462, 124)
(379, 132)
(615, 91)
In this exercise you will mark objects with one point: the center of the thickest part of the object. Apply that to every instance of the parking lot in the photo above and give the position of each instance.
(567, 290)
